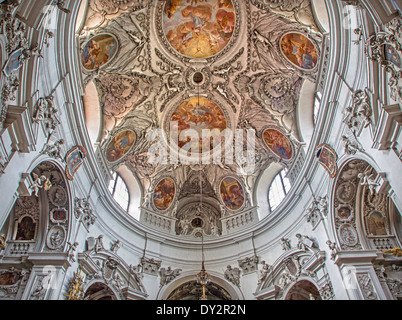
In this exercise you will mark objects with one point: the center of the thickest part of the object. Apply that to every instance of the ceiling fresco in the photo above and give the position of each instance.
(163, 69)
(200, 29)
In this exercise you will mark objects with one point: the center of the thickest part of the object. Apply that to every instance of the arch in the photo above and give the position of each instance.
(93, 113)
(135, 192)
(189, 276)
(191, 290)
(303, 290)
(97, 290)
(55, 228)
(361, 210)
(278, 190)
(262, 186)
(305, 111)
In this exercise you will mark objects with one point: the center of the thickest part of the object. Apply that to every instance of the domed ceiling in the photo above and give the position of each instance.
(164, 73)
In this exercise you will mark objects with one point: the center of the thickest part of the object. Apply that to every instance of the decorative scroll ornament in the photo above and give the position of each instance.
(358, 115)
(167, 275)
(386, 49)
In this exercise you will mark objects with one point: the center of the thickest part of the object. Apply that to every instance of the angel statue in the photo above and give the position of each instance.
(262, 274)
(233, 275)
(39, 183)
(369, 180)
(168, 275)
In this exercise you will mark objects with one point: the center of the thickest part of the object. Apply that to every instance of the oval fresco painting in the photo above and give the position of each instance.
(299, 50)
(98, 51)
(163, 194)
(120, 145)
(278, 143)
(199, 29)
(197, 113)
(232, 193)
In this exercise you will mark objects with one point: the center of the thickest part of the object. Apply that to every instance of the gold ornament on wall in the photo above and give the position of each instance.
(76, 290)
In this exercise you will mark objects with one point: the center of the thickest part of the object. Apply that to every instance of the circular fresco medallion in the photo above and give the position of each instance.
(232, 193)
(278, 143)
(98, 51)
(120, 145)
(299, 50)
(193, 116)
(199, 29)
(163, 194)
(346, 192)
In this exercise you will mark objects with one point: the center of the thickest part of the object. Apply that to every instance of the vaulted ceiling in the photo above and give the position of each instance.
(153, 69)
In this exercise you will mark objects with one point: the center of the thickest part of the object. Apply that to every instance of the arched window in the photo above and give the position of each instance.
(317, 104)
(278, 189)
(119, 191)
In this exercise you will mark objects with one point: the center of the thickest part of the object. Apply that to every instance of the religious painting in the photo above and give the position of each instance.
(74, 159)
(26, 229)
(9, 278)
(346, 192)
(163, 194)
(199, 29)
(376, 224)
(327, 157)
(232, 193)
(392, 55)
(197, 113)
(299, 50)
(13, 63)
(278, 143)
(98, 51)
(58, 215)
(120, 145)
(344, 213)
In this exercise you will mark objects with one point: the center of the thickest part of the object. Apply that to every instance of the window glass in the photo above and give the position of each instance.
(278, 189)
(317, 104)
(119, 191)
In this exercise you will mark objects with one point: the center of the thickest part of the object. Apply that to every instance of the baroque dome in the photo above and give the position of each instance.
(200, 149)
(208, 91)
